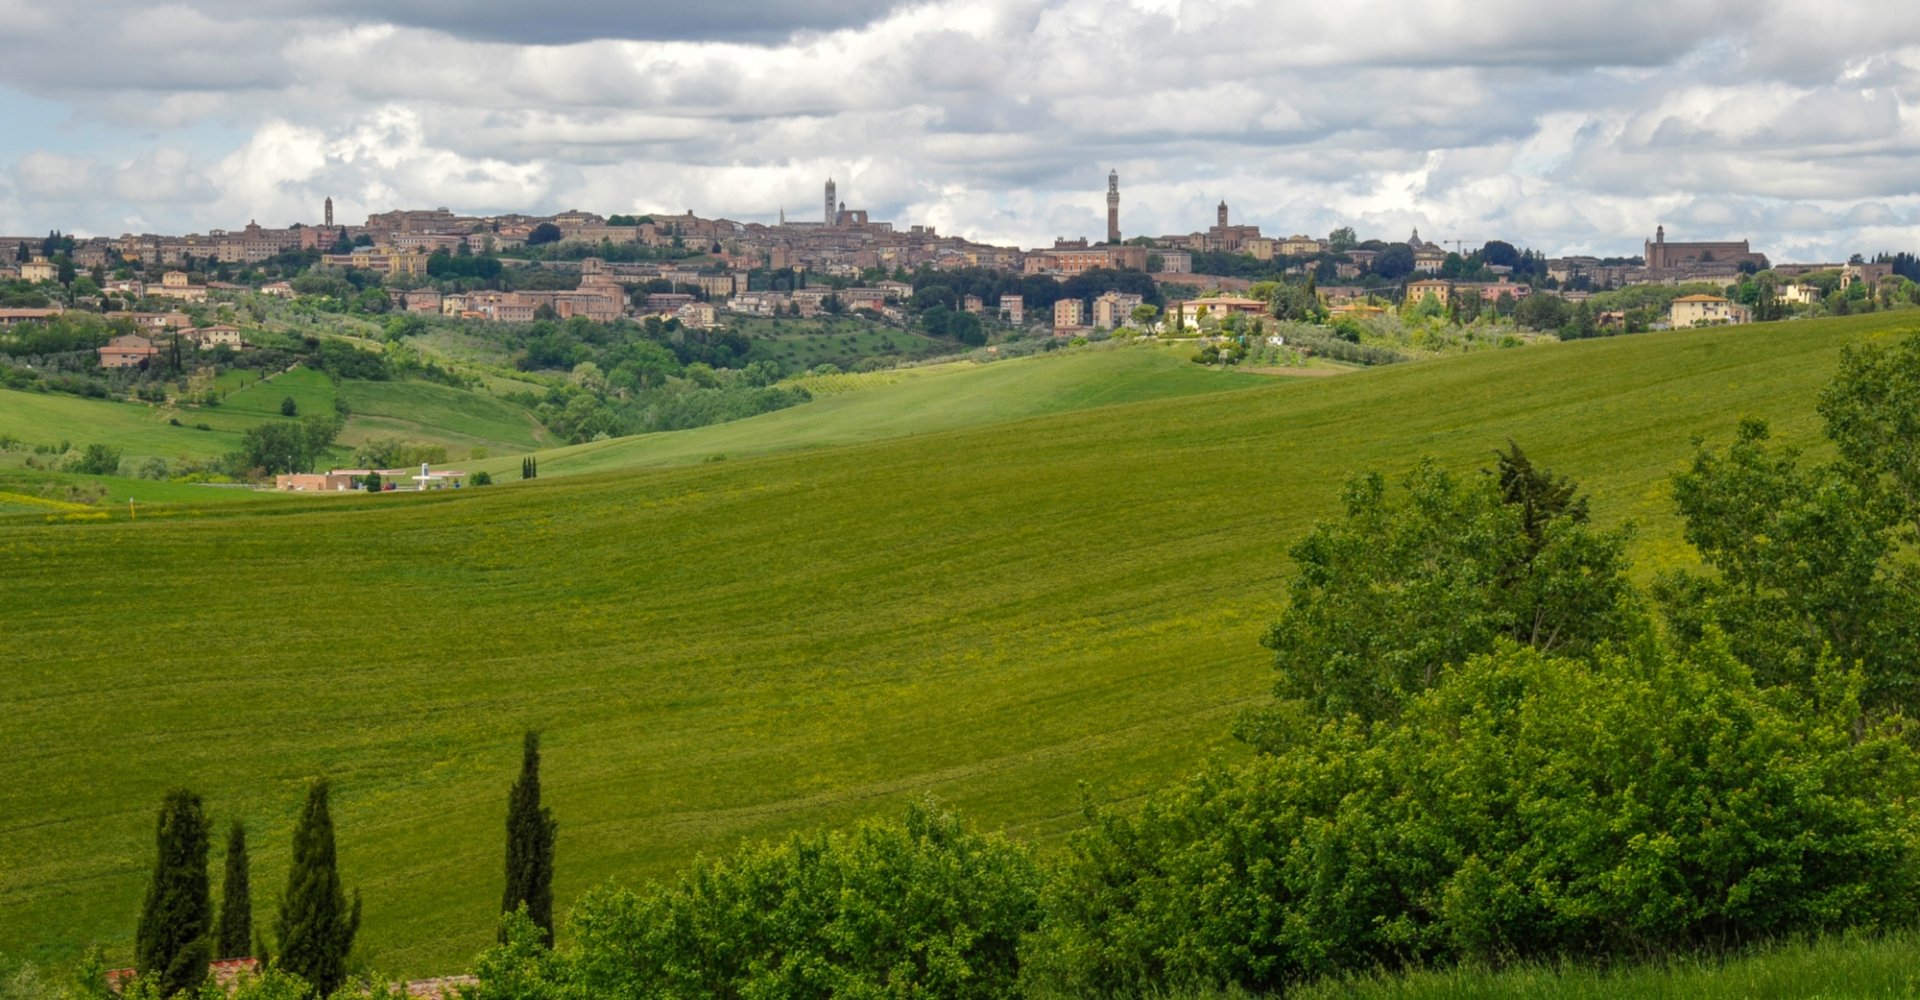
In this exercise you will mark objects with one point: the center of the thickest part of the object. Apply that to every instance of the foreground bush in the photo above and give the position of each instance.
(1526, 807)
(921, 907)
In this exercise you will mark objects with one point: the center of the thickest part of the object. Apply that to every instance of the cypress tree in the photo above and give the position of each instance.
(172, 943)
(316, 926)
(235, 936)
(530, 830)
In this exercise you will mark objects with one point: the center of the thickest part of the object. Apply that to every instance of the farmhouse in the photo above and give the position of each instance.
(210, 337)
(128, 350)
(1703, 310)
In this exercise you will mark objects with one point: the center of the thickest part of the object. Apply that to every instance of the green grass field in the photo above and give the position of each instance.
(1864, 968)
(850, 409)
(438, 414)
(992, 614)
(410, 410)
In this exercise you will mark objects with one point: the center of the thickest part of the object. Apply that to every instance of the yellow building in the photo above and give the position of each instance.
(1702, 310)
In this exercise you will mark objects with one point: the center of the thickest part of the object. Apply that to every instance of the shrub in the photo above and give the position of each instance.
(481, 478)
(921, 907)
(96, 460)
(1527, 807)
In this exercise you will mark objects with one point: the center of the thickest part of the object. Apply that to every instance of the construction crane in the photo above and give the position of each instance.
(1459, 246)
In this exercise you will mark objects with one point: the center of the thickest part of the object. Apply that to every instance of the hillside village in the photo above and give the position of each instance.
(596, 326)
(697, 270)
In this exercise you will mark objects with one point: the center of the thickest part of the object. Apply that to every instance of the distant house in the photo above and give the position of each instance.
(1702, 310)
(1439, 288)
(699, 315)
(174, 285)
(210, 337)
(1069, 316)
(128, 350)
(39, 272)
(10, 317)
(277, 290)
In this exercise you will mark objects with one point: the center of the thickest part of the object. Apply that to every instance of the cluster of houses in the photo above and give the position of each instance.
(844, 243)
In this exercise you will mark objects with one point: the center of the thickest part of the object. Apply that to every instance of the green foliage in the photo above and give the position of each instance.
(1407, 584)
(316, 925)
(288, 407)
(1526, 807)
(918, 907)
(233, 938)
(343, 360)
(481, 478)
(1805, 563)
(546, 232)
(286, 447)
(173, 942)
(96, 460)
(530, 833)
(1872, 410)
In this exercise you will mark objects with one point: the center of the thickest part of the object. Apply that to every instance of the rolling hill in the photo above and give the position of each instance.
(993, 614)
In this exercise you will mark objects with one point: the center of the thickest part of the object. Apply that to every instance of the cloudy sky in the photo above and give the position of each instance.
(1569, 128)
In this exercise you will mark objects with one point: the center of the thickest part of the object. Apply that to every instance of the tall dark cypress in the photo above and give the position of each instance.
(172, 943)
(530, 831)
(234, 939)
(316, 926)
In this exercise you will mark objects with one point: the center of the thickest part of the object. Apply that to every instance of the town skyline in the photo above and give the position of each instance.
(1575, 135)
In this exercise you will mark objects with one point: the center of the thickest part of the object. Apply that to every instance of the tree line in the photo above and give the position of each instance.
(179, 934)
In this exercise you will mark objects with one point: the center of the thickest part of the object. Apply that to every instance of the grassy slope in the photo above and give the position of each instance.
(992, 615)
(911, 401)
(418, 411)
(1833, 968)
(438, 414)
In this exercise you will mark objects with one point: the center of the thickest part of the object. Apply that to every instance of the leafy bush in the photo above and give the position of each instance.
(481, 478)
(921, 907)
(96, 460)
(1527, 806)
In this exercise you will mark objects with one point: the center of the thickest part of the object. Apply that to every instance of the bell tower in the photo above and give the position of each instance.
(329, 213)
(1113, 206)
(832, 202)
(1222, 211)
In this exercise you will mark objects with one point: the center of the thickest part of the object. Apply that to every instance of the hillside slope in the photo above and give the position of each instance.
(992, 615)
(912, 401)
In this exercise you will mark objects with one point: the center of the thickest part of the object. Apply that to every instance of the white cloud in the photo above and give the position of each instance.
(994, 118)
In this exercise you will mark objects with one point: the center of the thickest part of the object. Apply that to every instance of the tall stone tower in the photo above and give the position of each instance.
(329, 213)
(832, 202)
(1223, 214)
(1113, 206)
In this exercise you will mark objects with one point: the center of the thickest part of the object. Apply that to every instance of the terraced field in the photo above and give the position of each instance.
(994, 614)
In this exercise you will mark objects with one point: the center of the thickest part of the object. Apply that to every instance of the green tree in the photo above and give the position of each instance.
(96, 460)
(530, 833)
(288, 407)
(234, 937)
(1872, 413)
(917, 908)
(1342, 239)
(1407, 584)
(172, 943)
(545, 232)
(316, 925)
(1528, 807)
(1805, 567)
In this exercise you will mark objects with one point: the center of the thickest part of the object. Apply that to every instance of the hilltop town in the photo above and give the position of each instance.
(696, 270)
